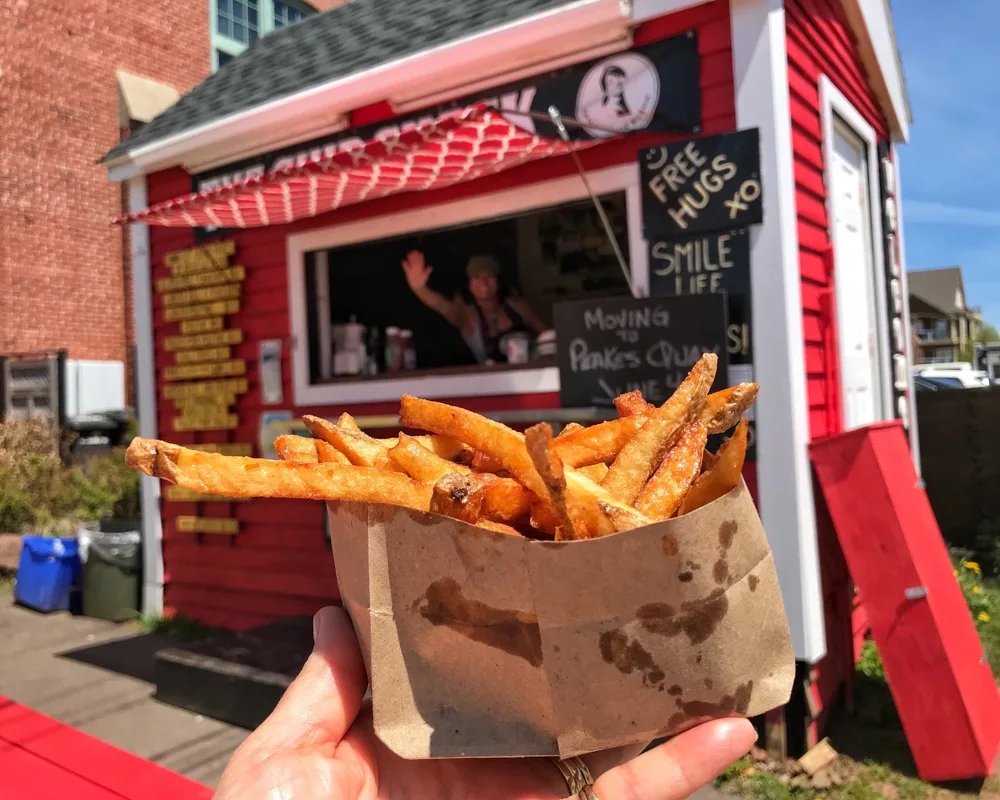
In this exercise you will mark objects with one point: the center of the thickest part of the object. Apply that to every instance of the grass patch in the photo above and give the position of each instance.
(178, 625)
(6, 581)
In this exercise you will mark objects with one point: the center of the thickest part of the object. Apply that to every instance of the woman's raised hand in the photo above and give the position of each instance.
(416, 269)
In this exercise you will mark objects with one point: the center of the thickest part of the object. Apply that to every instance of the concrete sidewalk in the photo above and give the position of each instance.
(97, 676)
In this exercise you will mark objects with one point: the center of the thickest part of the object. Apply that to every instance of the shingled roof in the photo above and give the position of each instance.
(347, 39)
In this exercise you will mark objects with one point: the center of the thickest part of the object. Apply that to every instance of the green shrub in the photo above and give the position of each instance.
(41, 494)
(870, 663)
(16, 511)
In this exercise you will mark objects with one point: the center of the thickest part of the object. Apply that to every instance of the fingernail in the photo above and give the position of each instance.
(318, 625)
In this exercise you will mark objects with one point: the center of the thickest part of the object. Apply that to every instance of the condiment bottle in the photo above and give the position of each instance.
(392, 354)
(375, 353)
(409, 350)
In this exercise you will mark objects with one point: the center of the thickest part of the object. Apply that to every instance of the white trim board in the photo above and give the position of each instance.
(142, 292)
(518, 199)
(833, 104)
(907, 319)
(784, 475)
(643, 10)
(872, 25)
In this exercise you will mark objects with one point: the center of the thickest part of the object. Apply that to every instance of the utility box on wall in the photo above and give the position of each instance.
(31, 388)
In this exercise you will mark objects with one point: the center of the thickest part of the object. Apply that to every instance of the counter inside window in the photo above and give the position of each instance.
(457, 301)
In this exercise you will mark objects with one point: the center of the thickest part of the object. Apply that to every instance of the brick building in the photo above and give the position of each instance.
(76, 76)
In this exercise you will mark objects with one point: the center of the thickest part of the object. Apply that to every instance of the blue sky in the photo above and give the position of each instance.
(950, 170)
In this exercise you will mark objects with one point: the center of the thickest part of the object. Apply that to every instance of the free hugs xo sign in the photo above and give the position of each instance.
(700, 185)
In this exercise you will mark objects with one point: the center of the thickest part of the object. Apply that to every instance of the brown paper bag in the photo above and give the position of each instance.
(482, 644)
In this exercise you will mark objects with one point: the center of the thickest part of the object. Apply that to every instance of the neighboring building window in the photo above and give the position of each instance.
(238, 20)
(237, 24)
(933, 329)
(286, 14)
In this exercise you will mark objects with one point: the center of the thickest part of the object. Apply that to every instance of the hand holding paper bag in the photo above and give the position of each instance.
(319, 745)
(524, 594)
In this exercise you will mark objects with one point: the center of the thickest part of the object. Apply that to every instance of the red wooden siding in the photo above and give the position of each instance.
(820, 42)
(279, 564)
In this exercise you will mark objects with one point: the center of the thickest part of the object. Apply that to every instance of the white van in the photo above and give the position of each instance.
(959, 371)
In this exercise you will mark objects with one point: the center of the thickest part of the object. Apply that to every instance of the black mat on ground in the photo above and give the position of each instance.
(236, 676)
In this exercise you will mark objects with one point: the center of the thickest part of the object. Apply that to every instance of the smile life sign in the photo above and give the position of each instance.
(699, 185)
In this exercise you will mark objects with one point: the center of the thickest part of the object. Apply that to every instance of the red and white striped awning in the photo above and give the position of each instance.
(460, 146)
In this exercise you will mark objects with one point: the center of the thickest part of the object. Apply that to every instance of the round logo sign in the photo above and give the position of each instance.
(617, 95)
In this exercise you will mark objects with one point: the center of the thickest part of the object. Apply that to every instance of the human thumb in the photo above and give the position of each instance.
(322, 703)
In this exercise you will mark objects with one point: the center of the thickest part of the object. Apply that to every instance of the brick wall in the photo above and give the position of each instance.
(63, 280)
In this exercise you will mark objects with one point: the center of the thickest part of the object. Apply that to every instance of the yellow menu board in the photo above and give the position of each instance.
(202, 378)
(208, 525)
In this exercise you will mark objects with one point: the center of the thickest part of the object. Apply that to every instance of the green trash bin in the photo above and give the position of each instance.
(110, 576)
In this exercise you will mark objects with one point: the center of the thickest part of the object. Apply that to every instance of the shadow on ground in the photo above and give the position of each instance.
(133, 656)
(874, 733)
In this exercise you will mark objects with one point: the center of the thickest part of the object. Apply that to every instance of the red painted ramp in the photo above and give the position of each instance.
(43, 759)
(938, 674)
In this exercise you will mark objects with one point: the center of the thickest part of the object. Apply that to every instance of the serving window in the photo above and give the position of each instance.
(365, 322)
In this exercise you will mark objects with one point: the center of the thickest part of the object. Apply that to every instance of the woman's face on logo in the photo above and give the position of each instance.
(615, 82)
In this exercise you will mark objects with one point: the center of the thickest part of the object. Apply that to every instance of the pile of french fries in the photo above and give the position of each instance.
(647, 465)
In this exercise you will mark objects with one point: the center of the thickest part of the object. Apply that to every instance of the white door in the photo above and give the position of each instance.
(854, 279)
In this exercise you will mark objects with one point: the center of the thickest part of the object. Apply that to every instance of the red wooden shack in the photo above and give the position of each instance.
(280, 167)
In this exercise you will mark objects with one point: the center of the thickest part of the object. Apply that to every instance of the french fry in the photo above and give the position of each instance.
(498, 441)
(300, 449)
(345, 420)
(328, 454)
(633, 403)
(236, 476)
(622, 517)
(360, 448)
(481, 462)
(642, 455)
(443, 446)
(570, 427)
(665, 491)
(505, 500)
(576, 520)
(724, 408)
(596, 472)
(598, 443)
(459, 496)
(724, 476)
(420, 463)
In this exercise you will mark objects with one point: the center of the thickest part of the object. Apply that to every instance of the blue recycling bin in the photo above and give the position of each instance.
(48, 572)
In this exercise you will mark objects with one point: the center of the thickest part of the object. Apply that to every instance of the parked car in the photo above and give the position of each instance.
(961, 372)
(924, 384)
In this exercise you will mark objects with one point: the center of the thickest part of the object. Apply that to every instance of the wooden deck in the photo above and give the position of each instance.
(44, 759)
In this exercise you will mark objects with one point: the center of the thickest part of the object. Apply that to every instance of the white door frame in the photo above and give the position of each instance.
(784, 474)
(145, 368)
(834, 107)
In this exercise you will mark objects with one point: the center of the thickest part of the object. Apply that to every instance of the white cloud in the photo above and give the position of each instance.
(922, 212)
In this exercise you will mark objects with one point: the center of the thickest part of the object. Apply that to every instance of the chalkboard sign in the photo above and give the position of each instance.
(612, 345)
(707, 264)
(701, 185)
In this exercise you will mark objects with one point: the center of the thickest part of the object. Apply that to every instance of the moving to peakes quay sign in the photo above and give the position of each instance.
(654, 87)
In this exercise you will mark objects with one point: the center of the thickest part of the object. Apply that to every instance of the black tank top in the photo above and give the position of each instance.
(486, 346)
